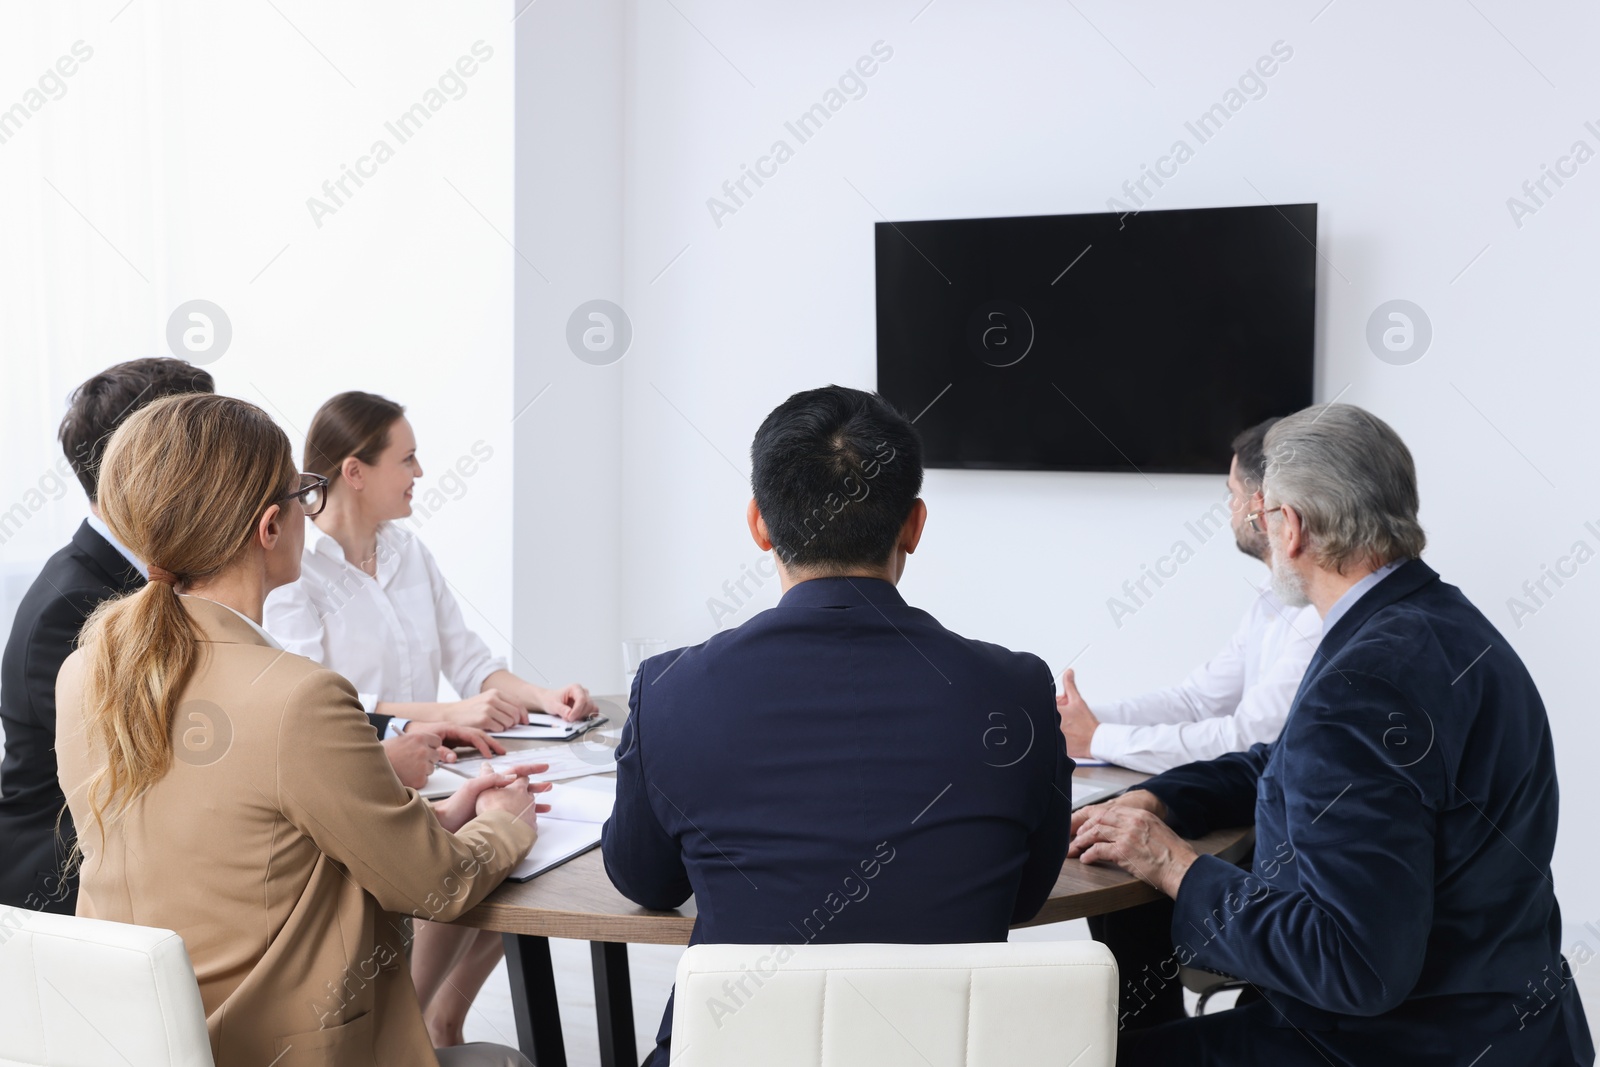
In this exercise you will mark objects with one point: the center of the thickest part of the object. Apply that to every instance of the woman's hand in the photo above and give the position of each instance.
(488, 710)
(451, 734)
(516, 797)
(475, 797)
(414, 754)
(572, 703)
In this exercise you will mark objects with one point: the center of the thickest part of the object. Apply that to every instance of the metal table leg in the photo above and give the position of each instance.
(613, 1002)
(533, 999)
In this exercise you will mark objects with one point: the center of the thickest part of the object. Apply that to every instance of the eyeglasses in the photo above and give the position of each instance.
(312, 494)
(1255, 517)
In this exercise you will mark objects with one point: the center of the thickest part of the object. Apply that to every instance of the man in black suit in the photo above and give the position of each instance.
(1400, 908)
(90, 569)
(840, 768)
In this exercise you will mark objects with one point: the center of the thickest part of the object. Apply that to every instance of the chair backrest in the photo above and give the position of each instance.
(88, 993)
(986, 1005)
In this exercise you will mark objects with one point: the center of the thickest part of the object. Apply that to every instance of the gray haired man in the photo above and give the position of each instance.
(1400, 905)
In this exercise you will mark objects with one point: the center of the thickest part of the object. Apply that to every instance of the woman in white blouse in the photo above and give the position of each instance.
(372, 604)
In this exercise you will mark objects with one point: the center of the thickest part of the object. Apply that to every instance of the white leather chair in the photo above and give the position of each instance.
(987, 1005)
(87, 993)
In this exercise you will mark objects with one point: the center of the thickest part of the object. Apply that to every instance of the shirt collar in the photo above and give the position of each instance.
(251, 622)
(319, 540)
(98, 526)
(390, 541)
(1356, 592)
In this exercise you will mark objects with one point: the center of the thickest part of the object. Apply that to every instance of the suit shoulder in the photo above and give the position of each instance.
(62, 587)
(73, 668)
(274, 670)
(280, 693)
(1024, 667)
(1420, 631)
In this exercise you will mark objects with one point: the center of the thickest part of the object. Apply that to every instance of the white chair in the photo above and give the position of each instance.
(987, 1005)
(87, 993)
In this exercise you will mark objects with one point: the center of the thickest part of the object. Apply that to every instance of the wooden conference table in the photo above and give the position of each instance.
(577, 901)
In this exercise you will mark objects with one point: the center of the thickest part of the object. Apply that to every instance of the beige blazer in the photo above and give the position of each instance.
(284, 850)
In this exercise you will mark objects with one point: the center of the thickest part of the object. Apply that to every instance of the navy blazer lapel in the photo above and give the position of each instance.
(103, 557)
(1406, 579)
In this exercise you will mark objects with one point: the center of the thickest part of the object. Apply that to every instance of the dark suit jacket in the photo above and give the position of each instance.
(1401, 907)
(841, 768)
(73, 582)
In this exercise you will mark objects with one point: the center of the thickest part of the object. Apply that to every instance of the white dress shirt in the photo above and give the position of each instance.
(390, 636)
(1239, 698)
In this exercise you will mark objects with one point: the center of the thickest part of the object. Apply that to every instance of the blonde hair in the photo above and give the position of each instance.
(183, 484)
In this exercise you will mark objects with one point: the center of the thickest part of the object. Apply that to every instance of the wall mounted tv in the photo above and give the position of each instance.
(1097, 342)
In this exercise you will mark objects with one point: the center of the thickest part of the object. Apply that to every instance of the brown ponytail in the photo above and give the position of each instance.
(183, 483)
(351, 424)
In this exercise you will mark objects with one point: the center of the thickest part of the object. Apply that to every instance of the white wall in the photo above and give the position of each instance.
(191, 141)
(1409, 125)
(569, 174)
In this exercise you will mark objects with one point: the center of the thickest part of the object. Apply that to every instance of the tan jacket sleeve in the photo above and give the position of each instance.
(335, 784)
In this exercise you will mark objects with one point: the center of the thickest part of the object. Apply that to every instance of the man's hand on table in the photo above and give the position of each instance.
(1130, 832)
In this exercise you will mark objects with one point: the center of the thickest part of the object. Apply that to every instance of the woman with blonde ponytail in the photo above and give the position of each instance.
(234, 792)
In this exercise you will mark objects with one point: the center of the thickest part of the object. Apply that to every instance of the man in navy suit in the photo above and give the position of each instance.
(1400, 909)
(840, 768)
(74, 581)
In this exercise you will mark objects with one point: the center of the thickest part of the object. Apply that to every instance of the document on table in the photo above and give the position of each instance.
(442, 783)
(1085, 793)
(571, 827)
(564, 763)
(542, 727)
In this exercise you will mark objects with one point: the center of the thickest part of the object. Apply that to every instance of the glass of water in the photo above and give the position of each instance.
(635, 650)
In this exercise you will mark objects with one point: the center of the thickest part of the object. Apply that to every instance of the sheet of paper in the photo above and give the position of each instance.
(542, 727)
(1084, 793)
(581, 800)
(537, 731)
(563, 763)
(558, 841)
(443, 782)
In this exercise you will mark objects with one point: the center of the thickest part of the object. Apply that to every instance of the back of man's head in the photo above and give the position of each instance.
(1351, 480)
(835, 473)
(1250, 449)
(101, 404)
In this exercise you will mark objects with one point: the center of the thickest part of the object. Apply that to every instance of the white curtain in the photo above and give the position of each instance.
(175, 162)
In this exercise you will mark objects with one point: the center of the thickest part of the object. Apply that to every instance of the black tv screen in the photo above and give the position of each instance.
(1097, 342)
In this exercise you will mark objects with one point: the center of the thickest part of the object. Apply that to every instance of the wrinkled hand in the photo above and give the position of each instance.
(571, 703)
(1077, 721)
(414, 754)
(451, 734)
(460, 808)
(488, 710)
(1142, 799)
(1134, 837)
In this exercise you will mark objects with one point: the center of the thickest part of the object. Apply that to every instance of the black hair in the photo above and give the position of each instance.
(1251, 449)
(835, 473)
(104, 402)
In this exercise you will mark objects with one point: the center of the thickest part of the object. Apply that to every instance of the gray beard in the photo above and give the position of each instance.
(1287, 584)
